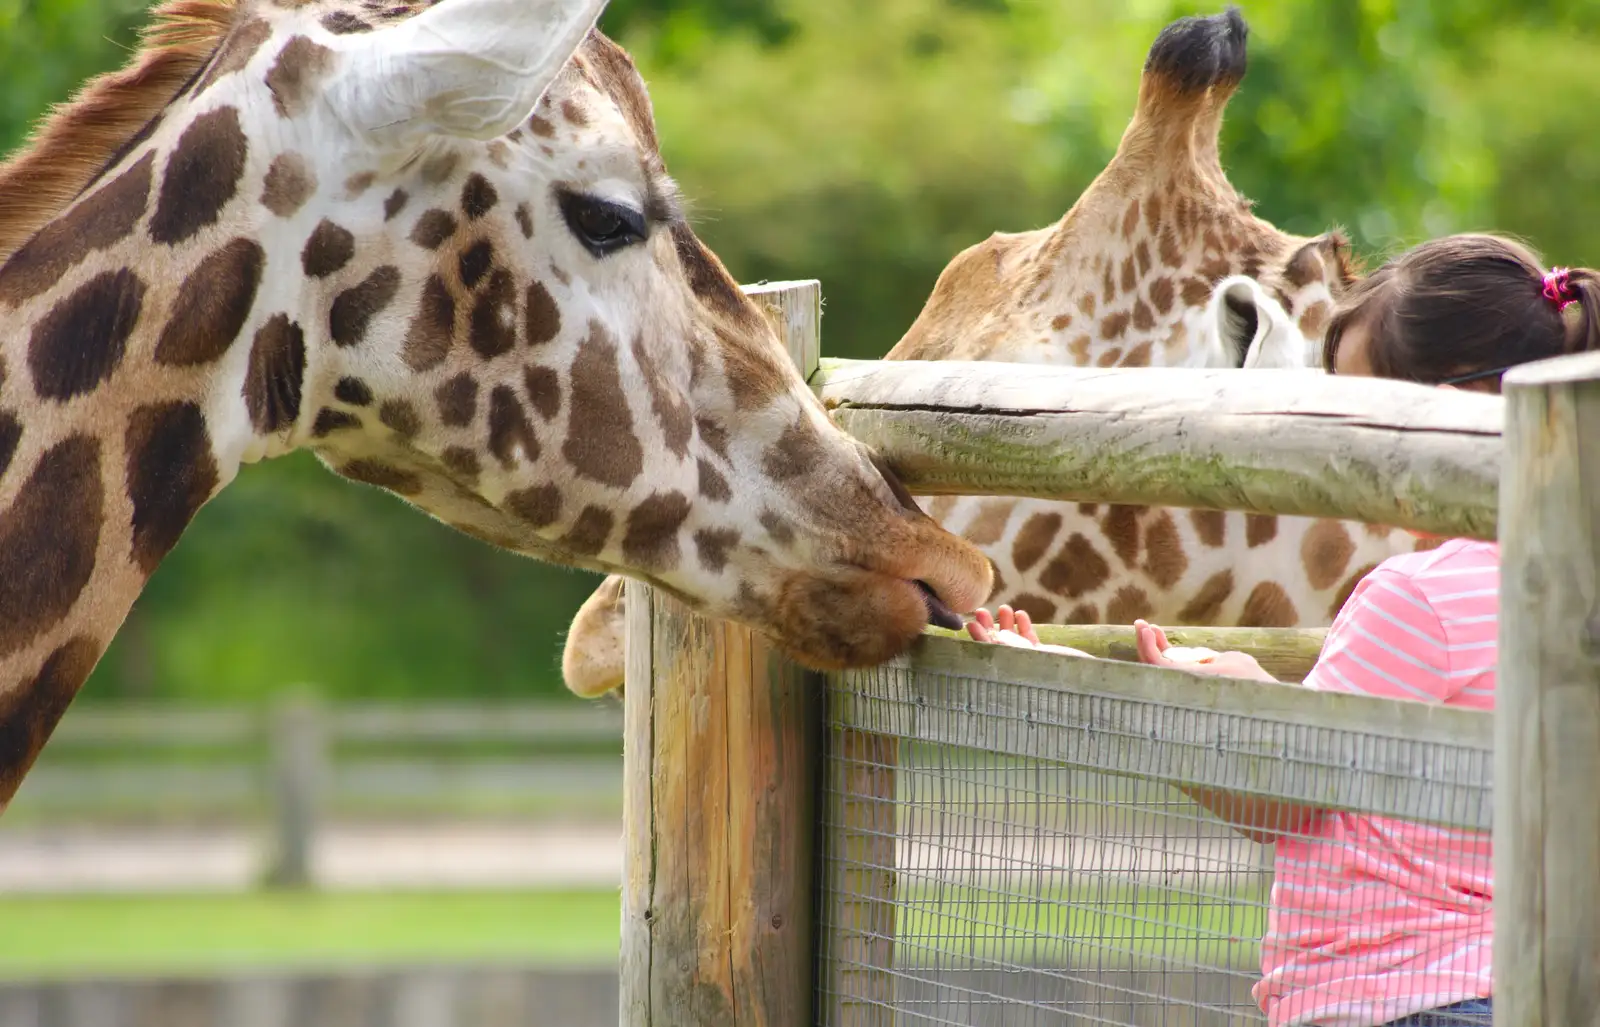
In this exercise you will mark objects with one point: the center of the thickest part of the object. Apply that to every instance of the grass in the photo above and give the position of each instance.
(57, 936)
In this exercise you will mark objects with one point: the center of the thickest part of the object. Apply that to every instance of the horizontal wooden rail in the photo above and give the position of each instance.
(1271, 441)
(1318, 748)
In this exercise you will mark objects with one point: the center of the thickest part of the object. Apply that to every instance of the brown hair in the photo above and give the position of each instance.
(1463, 307)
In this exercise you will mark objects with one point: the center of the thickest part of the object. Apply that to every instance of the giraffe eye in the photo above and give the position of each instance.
(603, 227)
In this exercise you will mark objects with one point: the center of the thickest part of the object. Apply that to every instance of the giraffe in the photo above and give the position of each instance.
(1159, 263)
(437, 246)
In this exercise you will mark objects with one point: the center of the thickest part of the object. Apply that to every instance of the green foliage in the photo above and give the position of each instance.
(863, 144)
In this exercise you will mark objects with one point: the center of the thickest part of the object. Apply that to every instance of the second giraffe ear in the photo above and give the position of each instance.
(471, 69)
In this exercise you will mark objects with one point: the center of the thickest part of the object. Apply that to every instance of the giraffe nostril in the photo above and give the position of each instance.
(939, 614)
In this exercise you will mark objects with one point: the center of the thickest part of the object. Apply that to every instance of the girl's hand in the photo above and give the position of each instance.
(1153, 645)
(1013, 628)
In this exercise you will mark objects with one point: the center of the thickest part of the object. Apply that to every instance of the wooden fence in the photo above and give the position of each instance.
(292, 762)
(723, 748)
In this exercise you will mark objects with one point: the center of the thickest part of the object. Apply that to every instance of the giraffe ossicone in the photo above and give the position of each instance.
(437, 245)
(1159, 263)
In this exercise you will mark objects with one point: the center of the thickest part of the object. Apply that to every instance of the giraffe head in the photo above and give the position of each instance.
(438, 246)
(1160, 262)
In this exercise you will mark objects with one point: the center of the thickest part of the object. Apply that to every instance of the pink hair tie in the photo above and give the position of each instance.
(1558, 288)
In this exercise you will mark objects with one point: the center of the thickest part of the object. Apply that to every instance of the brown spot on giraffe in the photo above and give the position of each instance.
(651, 539)
(462, 462)
(329, 421)
(343, 23)
(295, 77)
(1195, 291)
(1206, 605)
(1109, 357)
(1087, 304)
(1076, 570)
(1325, 553)
(1143, 318)
(1079, 348)
(1083, 613)
(354, 308)
(212, 305)
(1130, 220)
(574, 113)
(524, 220)
(509, 429)
(778, 529)
(1061, 322)
(672, 411)
(1259, 529)
(1037, 607)
(1268, 606)
(493, 328)
(353, 391)
(989, 525)
(236, 51)
(30, 713)
(432, 328)
(475, 262)
(358, 183)
(458, 400)
(544, 390)
(1165, 561)
(1130, 278)
(46, 557)
(201, 178)
(539, 505)
(400, 417)
(10, 437)
(107, 217)
(1114, 326)
(290, 182)
(1167, 248)
(712, 546)
(272, 384)
(795, 453)
(383, 476)
(1138, 356)
(82, 340)
(1162, 295)
(433, 228)
(1141, 253)
(600, 443)
(1121, 525)
(394, 204)
(1347, 588)
(544, 317)
(1130, 603)
(713, 485)
(328, 250)
(590, 532)
(1211, 526)
(478, 197)
(1033, 540)
(171, 472)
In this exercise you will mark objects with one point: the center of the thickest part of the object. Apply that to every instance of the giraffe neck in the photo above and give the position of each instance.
(124, 407)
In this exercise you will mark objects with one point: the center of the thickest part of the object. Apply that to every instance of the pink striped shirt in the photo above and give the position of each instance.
(1373, 919)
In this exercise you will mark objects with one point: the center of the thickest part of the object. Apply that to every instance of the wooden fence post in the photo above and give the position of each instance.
(297, 743)
(1547, 710)
(720, 759)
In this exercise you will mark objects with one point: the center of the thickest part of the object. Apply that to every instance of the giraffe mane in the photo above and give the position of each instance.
(74, 142)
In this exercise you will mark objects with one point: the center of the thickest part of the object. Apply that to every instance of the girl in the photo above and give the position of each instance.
(1375, 921)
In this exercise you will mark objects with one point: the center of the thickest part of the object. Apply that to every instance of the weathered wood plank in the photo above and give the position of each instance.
(1272, 441)
(1547, 823)
(721, 753)
(1288, 654)
(860, 863)
(1412, 760)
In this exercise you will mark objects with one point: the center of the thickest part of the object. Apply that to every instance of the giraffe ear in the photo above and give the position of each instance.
(465, 68)
(1253, 330)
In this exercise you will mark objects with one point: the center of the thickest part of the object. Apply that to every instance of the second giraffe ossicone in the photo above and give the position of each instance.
(1159, 263)
(436, 245)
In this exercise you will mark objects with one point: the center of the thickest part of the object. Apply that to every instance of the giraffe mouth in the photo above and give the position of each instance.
(939, 615)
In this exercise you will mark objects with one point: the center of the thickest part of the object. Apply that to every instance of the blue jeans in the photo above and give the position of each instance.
(1471, 1013)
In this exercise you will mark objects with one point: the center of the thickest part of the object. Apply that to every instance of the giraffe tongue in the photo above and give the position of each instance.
(939, 615)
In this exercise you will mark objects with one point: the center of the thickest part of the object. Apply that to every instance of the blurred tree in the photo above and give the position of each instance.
(863, 143)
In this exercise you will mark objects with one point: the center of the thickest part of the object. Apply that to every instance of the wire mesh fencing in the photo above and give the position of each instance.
(1102, 844)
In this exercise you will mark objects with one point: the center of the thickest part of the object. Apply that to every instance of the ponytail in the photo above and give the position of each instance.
(1581, 309)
